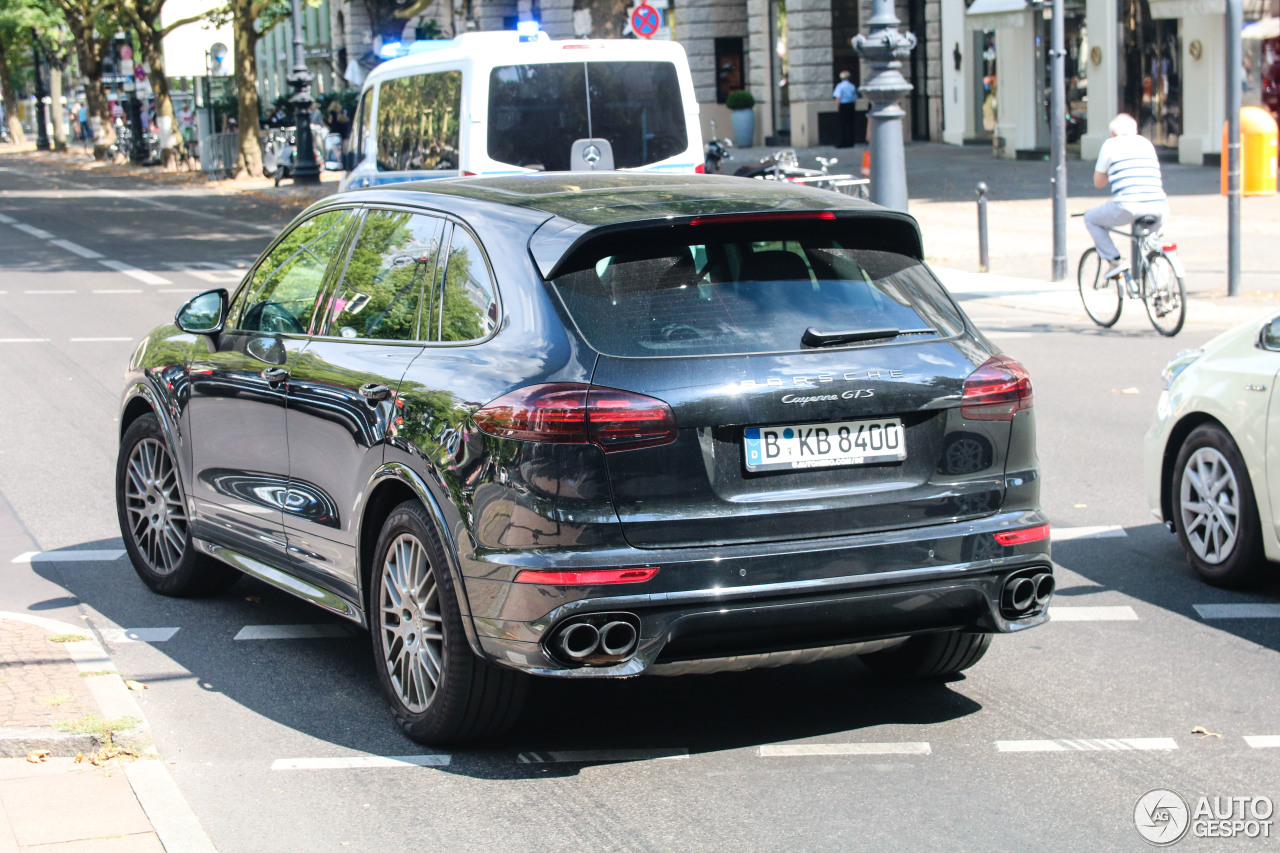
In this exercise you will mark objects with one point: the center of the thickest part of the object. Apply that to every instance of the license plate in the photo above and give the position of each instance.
(829, 445)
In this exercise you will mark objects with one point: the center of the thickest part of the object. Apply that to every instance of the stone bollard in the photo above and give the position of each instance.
(984, 259)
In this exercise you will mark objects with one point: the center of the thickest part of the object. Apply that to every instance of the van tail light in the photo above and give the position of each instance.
(467, 174)
(996, 390)
(700, 169)
(574, 413)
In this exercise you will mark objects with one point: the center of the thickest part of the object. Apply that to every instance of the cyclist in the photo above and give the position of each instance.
(1129, 162)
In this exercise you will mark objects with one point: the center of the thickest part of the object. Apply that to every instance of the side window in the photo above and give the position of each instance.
(470, 305)
(419, 120)
(282, 295)
(364, 118)
(394, 262)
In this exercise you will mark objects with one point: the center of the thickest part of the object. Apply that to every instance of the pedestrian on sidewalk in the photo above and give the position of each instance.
(1129, 162)
(846, 94)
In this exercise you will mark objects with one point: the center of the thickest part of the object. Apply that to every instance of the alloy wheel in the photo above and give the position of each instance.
(411, 624)
(1209, 503)
(153, 501)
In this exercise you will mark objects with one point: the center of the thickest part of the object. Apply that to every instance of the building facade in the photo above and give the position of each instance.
(274, 55)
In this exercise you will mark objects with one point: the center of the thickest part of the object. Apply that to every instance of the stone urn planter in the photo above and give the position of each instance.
(742, 111)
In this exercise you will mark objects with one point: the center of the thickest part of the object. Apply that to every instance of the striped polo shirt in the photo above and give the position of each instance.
(1133, 169)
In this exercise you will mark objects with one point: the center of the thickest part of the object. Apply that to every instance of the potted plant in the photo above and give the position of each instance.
(741, 104)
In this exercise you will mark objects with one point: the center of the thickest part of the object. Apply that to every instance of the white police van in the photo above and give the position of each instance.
(513, 102)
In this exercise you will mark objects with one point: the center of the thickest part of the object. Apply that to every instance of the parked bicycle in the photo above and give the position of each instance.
(784, 165)
(1155, 276)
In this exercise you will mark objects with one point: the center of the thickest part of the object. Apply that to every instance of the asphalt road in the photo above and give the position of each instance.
(1047, 743)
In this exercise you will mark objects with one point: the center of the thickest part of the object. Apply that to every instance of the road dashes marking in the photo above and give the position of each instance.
(99, 340)
(778, 750)
(180, 290)
(116, 636)
(361, 762)
(1263, 741)
(133, 272)
(1066, 534)
(291, 632)
(593, 755)
(1115, 613)
(1088, 744)
(23, 341)
(120, 290)
(1238, 611)
(38, 233)
(48, 292)
(7, 220)
(88, 556)
(77, 249)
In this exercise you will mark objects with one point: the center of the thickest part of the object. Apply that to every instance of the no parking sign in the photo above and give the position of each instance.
(645, 20)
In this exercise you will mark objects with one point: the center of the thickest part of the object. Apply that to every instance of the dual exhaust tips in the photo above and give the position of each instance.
(1026, 594)
(599, 639)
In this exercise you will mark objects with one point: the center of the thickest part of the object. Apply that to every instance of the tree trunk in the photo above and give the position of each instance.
(90, 49)
(246, 39)
(608, 17)
(10, 100)
(171, 142)
(59, 114)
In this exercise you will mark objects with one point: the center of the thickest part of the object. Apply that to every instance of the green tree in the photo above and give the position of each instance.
(21, 21)
(92, 23)
(144, 15)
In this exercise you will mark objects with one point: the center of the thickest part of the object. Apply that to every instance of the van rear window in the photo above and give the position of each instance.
(746, 292)
(536, 112)
(418, 122)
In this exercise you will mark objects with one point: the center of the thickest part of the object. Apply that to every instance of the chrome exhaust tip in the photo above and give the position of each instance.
(1045, 585)
(1019, 595)
(618, 639)
(578, 641)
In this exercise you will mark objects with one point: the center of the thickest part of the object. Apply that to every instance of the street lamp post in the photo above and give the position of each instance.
(1058, 139)
(42, 110)
(885, 48)
(305, 168)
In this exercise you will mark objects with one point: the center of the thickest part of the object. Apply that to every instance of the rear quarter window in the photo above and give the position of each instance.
(720, 293)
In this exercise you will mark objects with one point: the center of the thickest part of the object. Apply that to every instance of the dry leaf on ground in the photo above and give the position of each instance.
(134, 685)
(37, 756)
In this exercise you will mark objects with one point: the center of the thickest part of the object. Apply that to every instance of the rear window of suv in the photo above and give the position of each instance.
(739, 291)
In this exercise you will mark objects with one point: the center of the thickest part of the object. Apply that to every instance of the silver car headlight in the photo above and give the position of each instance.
(1179, 363)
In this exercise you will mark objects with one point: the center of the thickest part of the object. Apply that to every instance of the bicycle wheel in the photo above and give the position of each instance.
(1102, 297)
(1164, 294)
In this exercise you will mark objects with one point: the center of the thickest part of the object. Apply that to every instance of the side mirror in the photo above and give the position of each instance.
(1269, 337)
(348, 161)
(205, 314)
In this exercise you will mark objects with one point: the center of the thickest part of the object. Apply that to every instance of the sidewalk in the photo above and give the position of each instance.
(61, 697)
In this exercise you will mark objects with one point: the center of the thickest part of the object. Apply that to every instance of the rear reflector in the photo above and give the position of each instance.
(1169, 247)
(996, 390)
(587, 577)
(779, 216)
(574, 413)
(1023, 536)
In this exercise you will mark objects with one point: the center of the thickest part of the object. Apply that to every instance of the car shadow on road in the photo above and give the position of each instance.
(327, 688)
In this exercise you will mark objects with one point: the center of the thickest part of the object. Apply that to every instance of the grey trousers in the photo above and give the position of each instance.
(1116, 215)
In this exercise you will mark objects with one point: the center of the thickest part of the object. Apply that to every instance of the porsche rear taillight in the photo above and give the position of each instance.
(574, 413)
(996, 391)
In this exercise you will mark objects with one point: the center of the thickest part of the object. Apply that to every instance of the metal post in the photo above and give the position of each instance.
(1235, 22)
(884, 50)
(42, 110)
(1058, 143)
(984, 258)
(305, 168)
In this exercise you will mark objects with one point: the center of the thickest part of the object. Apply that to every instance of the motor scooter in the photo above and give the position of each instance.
(717, 149)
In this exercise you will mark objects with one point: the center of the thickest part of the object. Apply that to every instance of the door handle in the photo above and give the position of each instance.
(375, 393)
(274, 375)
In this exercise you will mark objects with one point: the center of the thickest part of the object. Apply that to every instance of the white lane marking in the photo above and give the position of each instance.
(1238, 611)
(133, 272)
(77, 249)
(7, 220)
(180, 290)
(1262, 741)
(33, 231)
(120, 290)
(69, 556)
(593, 755)
(1087, 744)
(1119, 613)
(1005, 336)
(291, 632)
(116, 636)
(1066, 534)
(47, 292)
(360, 762)
(22, 341)
(801, 749)
(217, 276)
(98, 340)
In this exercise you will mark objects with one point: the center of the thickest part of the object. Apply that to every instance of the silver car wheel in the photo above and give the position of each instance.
(153, 501)
(1209, 504)
(411, 624)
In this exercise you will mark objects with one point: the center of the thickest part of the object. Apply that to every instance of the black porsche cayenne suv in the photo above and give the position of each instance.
(592, 426)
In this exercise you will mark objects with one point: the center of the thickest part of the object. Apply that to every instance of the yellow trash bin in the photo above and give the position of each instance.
(1259, 149)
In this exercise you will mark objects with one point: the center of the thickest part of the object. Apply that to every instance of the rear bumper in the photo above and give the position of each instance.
(945, 577)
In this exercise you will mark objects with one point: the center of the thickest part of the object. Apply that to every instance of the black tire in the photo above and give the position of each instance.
(151, 507)
(1165, 295)
(1102, 297)
(470, 698)
(1223, 545)
(930, 655)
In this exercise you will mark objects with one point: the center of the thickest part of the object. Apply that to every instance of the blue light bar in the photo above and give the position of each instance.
(528, 30)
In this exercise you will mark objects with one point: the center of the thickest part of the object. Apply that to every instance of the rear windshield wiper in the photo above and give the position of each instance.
(813, 338)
